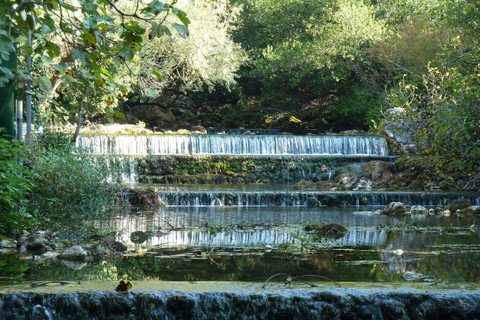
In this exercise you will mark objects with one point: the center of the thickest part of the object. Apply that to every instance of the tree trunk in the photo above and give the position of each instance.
(79, 122)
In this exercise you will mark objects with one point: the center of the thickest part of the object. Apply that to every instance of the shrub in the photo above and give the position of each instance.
(14, 186)
(70, 186)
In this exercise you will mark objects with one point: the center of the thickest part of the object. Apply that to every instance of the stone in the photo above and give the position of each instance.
(199, 129)
(459, 205)
(353, 132)
(346, 179)
(312, 202)
(8, 243)
(75, 253)
(118, 246)
(395, 209)
(363, 185)
(37, 241)
(415, 276)
(330, 231)
(419, 210)
(138, 237)
(75, 265)
(157, 116)
(378, 170)
(401, 130)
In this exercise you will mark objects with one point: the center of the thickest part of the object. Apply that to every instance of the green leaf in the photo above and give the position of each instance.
(7, 72)
(182, 16)
(119, 114)
(109, 117)
(157, 5)
(45, 83)
(60, 67)
(181, 29)
(152, 93)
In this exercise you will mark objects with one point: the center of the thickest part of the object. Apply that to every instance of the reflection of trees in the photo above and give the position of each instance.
(451, 257)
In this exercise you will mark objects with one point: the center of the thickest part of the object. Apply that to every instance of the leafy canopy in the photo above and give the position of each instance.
(84, 41)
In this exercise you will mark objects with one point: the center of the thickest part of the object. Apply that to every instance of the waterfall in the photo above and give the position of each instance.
(269, 198)
(233, 145)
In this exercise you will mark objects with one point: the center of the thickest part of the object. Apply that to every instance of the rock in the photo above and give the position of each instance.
(37, 241)
(353, 132)
(459, 205)
(328, 231)
(346, 179)
(75, 265)
(138, 237)
(8, 243)
(118, 246)
(378, 170)
(395, 209)
(415, 276)
(475, 210)
(418, 210)
(199, 129)
(312, 202)
(75, 253)
(399, 128)
(157, 116)
(363, 185)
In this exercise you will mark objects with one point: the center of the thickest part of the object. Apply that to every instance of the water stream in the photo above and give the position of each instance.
(242, 234)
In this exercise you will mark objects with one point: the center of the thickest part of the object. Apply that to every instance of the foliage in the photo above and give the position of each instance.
(83, 42)
(304, 50)
(444, 111)
(70, 186)
(206, 58)
(14, 186)
(417, 42)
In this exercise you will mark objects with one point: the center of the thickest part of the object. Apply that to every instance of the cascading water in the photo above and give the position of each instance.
(273, 145)
(257, 229)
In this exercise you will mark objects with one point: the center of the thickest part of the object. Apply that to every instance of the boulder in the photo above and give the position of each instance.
(399, 128)
(346, 179)
(459, 205)
(198, 129)
(378, 170)
(157, 116)
(419, 210)
(395, 209)
(75, 253)
(312, 202)
(8, 243)
(37, 241)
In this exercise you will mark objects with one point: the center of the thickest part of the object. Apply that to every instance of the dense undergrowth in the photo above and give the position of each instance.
(50, 184)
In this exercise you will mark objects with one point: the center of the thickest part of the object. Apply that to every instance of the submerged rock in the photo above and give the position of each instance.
(419, 210)
(459, 205)
(37, 241)
(327, 231)
(395, 209)
(75, 253)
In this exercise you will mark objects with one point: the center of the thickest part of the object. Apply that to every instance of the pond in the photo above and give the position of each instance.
(222, 243)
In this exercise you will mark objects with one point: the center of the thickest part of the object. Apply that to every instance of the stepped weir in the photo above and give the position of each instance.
(236, 235)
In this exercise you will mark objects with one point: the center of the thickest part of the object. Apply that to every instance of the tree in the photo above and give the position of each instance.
(206, 59)
(82, 42)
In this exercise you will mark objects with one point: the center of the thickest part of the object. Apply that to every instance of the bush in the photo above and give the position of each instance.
(14, 186)
(70, 186)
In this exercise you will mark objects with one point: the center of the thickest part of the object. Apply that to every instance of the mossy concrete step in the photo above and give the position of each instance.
(214, 300)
